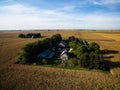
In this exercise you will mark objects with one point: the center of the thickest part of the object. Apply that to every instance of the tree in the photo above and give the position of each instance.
(44, 61)
(72, 38)
(84, 60)
(96, 61)
(94, 47)
(72, 62)
(55, 39)
(21, 36)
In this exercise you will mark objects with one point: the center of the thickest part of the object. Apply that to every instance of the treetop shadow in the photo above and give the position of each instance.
(108, 57)
(111, 65)
(106, 51)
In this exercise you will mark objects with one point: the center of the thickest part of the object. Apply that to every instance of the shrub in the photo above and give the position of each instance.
(44, 61)
(70, 63)
(84, 60)
(63, 63)
(23, 57)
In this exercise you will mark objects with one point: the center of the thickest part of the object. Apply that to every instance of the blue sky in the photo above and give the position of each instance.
(59, 14)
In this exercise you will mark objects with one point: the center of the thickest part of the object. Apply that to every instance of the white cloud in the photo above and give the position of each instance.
(25, 17)
(111, 1)
(101, 19)
(6, 0)
(18, 9)
(105, 2)
(68, 8)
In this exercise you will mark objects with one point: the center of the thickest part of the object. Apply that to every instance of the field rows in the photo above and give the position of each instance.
(25, 77)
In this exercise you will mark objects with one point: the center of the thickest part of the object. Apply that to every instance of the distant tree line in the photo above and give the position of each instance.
(28, 54)
(30, 35)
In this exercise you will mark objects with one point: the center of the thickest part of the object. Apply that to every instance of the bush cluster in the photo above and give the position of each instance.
(88, 54)
(30, 35)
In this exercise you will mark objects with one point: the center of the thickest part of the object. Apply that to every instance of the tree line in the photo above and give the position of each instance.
(30, 35)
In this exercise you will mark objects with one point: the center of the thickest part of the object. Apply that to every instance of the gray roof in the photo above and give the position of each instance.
(46, 54)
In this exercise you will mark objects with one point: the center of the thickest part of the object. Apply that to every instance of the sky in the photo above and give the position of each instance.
(59, 14)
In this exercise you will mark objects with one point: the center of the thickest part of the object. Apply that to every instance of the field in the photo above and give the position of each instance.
(30, 77)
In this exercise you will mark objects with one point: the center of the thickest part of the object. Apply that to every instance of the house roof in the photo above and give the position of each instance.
(50, 55)
(44, 53)
(64, 55)
(65, 51)
(62, 43)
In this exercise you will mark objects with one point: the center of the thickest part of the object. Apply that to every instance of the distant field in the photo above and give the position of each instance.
(25, 77)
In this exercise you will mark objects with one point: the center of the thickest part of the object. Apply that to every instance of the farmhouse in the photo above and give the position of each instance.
(61, 46)
(60, 49)
(64, 55)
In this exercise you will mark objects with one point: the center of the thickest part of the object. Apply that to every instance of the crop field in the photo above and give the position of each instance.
(30, 77)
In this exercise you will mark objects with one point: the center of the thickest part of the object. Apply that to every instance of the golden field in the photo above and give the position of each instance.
(28, 77)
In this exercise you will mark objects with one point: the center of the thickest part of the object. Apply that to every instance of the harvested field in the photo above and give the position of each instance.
(26, 77)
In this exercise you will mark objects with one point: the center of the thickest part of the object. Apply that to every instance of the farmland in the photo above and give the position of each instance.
(30, 77)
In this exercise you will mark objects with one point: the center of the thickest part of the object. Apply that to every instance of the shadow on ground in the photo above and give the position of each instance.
(110, 64)
(106, 51)
(108, 57)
